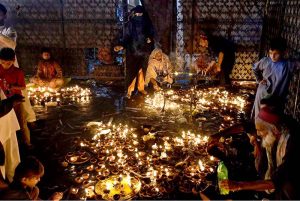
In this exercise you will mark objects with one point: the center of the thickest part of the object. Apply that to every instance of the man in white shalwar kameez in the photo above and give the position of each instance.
(8, 127)
(8, 38)
(159, 69)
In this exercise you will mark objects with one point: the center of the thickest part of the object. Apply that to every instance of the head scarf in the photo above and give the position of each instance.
(267, 115)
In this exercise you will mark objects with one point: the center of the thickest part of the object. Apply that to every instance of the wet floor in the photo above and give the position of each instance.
(57, 127)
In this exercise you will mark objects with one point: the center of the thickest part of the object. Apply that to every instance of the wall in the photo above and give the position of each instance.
(239, 21)
(66, 26)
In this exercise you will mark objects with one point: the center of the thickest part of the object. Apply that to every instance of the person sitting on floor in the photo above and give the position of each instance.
(204, 64)
(159, 69)
(49, 73)
(27, 174)
(281, 141)
(223, 52)
(104, 56)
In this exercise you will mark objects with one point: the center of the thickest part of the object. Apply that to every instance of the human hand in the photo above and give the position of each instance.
(16, 99)
(56, 196)
(148, 40)
(252, 139)
(230, 185)
(218, 67)
(156, 88)
(118, 48)
(194, 191)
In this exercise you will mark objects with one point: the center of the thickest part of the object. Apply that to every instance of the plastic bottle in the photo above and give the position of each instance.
(222, 175)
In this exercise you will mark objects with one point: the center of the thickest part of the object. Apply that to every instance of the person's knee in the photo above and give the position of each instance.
(59, 82)
(32, 80)
(52, 84)
(40, 82)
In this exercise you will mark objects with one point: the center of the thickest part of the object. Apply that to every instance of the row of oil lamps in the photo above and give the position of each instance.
(48, 96)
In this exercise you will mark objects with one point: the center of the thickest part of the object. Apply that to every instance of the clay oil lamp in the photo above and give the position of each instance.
(85, 176)
(78, 180)
(89, 192)
(93, 160)
(69, 154)
(74, 190)
(64, 163)
(73, 159)
(90, 168)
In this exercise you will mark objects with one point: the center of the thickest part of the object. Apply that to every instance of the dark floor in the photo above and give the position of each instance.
(57, 127)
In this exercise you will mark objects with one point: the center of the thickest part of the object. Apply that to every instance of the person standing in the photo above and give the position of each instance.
(12, 83)
(273, 74)
(138, 41)
(8, 38)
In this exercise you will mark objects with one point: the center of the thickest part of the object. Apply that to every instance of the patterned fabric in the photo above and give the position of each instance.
(161, 67)
(48, 70)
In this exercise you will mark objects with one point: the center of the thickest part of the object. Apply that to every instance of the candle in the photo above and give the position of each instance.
(154, 146)
(74, 191)
(201, 166)
(108, 185)
(73, 158)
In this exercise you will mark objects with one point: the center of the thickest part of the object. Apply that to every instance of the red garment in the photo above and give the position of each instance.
(48, 70)
(13, 76)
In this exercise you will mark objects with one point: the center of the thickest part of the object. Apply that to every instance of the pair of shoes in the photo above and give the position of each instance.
(143, 92)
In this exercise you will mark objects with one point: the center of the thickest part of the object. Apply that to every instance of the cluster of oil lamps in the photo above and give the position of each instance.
(204, 99)
(52, 97)
(205, 105)
(117, 164)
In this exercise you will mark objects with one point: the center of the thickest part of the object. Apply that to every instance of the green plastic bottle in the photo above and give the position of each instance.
(222, 175)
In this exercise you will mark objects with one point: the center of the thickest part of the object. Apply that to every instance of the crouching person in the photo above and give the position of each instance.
(23, 187)
(159, 69)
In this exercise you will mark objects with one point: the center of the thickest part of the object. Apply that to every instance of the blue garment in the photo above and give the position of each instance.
(277, 76)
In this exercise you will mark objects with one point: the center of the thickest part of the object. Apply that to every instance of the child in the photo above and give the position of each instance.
(12, 82)
(272, 74)
(23, 187)
(49, 73)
